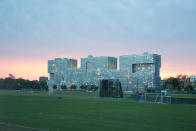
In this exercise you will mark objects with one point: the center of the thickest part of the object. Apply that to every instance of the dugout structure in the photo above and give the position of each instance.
(110, 88)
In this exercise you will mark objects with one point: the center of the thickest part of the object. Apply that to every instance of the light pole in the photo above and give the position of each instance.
(127, 81)
(87, 79)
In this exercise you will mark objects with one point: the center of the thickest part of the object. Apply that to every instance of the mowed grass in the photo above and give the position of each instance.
(77, 111)
(192, 96)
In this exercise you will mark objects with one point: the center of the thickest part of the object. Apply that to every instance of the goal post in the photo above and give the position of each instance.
(155, 98)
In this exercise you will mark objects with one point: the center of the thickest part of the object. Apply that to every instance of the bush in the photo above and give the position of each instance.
(73, 87)
(54, 87)
(94, 87)
(83, 87)
(189, 88)
(63, 87)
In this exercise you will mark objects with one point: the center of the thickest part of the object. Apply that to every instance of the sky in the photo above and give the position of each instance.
(34, 31)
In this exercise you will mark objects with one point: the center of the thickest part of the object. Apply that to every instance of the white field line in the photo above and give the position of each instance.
(16, 125)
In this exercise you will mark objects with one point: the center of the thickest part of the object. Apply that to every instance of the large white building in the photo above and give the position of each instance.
(135, 71)
(139, 71)
(60, 70)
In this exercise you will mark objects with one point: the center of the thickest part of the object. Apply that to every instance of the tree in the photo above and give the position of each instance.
(73, 87)
(83, 87)
(63, 87)
(174, 82)
(94, 87)
(189, 88)
(43, 85)
(180, 83)
(54, 87)
(20, 83)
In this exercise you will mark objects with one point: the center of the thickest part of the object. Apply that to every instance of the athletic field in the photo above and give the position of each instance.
(87, 112)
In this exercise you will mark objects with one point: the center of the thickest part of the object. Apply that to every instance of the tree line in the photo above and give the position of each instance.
(179, 83)
(20, 83)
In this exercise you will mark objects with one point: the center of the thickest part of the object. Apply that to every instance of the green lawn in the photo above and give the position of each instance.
(85, 111)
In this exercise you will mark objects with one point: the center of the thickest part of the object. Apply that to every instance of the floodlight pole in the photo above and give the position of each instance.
(127, 84)
(137, 85)
(127, 81)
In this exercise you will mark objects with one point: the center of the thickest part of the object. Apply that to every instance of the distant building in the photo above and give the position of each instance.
(192, 78)
(136, 72)
(59, 71)
(43, 79)
(95, 68)
(102, 63)
(193, 81)
(72, 63)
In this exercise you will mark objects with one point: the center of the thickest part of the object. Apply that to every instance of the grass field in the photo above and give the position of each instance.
(84, 111)
(193, 96)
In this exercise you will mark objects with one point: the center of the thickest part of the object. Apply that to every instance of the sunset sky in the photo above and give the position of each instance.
(33, 31)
